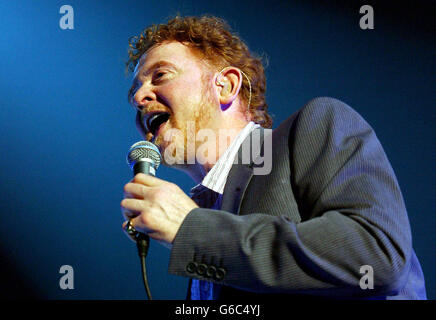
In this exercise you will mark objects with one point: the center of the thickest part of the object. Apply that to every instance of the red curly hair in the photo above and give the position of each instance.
(211, 38)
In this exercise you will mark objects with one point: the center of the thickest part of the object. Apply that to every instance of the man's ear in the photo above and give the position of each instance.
(229, 83)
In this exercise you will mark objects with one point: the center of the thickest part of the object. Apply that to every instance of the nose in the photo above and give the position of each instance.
(143, 96)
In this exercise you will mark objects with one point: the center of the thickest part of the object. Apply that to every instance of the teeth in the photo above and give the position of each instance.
(154, 117)
(153, 127)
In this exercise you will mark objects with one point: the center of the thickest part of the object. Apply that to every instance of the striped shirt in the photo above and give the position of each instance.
(216, 178)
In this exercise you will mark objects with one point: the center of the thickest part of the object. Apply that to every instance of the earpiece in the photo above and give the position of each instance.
(221, 82)
(226, 85)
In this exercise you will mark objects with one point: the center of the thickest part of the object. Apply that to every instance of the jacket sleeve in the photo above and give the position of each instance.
(352, 210)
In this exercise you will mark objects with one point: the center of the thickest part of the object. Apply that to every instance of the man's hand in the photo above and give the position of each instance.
(155, 207)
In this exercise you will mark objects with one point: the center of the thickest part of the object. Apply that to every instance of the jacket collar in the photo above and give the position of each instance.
(241, 172)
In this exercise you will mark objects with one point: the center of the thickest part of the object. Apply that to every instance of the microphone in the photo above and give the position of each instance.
(143, 157)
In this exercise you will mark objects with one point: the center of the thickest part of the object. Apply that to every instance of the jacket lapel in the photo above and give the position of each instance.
(241, 173)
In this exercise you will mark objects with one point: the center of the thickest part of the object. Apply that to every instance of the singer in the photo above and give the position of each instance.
(324, 220)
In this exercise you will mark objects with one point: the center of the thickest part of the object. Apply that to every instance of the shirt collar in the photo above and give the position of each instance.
(217, 176)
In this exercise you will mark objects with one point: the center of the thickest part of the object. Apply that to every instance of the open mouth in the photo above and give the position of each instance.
(154, 120)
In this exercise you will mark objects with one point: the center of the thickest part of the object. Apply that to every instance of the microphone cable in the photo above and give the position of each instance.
(143, 243)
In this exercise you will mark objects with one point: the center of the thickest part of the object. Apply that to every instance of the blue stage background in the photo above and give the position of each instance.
(66, 125)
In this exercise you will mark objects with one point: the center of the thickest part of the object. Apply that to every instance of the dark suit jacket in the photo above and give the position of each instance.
(330, 205)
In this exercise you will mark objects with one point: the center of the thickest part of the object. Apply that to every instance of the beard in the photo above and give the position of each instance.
(178, 143)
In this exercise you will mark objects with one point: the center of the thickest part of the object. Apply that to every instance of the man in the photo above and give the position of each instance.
(327, 220)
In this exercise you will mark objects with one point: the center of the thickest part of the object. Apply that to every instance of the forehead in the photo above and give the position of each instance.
(175, 53)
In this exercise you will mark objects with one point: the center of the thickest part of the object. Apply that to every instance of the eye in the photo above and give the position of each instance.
(159, 74)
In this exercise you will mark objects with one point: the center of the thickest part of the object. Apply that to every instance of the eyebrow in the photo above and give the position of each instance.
(154, 66)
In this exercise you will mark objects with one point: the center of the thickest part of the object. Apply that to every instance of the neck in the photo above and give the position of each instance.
(220, 141)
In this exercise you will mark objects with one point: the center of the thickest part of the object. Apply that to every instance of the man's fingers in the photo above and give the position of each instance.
(129, 195)
(129, 214)
(126, 210)
(135, 190)
(133, 223)
(133, 204)
(147, 180)
(137, 225)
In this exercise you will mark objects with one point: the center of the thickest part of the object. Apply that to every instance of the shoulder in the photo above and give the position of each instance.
(321, 114)
(326, 103)
(323, 109)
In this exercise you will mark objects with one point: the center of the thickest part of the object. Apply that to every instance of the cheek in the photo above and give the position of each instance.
(184, 96)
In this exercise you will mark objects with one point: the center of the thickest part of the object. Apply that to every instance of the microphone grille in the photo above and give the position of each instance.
(141, 150)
